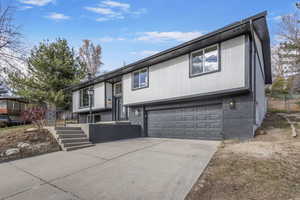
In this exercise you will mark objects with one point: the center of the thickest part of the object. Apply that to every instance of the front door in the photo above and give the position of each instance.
(119, 113)
(119, 110)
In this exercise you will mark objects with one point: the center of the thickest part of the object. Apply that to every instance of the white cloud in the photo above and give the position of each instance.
(110, 10)
(110, 39)
(116, 4)
(168, 36)
(37, 2)
(106, 12)
(25, 7)
(102, 19)
(145, 53)
(103, 11)
(58, 16)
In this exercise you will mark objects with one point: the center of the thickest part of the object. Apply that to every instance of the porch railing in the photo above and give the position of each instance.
(59, 118)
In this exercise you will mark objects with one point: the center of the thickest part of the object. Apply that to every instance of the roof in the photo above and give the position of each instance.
(227, 32)
(17, 98)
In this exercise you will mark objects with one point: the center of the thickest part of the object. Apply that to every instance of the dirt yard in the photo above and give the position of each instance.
(20, 141)
(264, 168)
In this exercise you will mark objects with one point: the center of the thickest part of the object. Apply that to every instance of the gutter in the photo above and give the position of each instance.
(254, 72)
(239, 27)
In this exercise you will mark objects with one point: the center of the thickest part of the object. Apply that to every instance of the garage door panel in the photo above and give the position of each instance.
(192, 122)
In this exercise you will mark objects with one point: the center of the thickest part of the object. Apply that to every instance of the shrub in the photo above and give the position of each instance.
(36, 115)
(3, 124)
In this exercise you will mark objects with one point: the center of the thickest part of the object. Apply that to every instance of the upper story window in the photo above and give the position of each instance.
(205, 61)
(140, 79)
(84, 98)
(118, 89)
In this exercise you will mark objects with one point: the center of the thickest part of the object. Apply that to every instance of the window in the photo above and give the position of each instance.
(84, 98)
(205, 61)
(118, 89)
(140, 79)
(3, 104)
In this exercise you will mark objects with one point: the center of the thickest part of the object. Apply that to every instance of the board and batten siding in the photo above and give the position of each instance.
(170, 79)
(99, 98)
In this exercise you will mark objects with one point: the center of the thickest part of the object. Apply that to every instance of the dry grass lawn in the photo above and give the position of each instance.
(264, 168)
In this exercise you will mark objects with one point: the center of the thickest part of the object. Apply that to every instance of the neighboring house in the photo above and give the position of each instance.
(12, 106)
(211, 87)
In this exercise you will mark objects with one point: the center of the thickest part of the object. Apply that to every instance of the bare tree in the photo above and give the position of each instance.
(279, 70)
(286, 54)
(11, 53)
(90, 55)
(290, 44)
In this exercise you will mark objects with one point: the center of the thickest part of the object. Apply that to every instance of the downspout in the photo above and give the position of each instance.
(254, 73)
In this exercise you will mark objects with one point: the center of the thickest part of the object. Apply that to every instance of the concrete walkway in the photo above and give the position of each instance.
(144, 168)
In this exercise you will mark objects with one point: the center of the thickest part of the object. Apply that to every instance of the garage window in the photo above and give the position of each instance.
(205, 61)
(140, 79)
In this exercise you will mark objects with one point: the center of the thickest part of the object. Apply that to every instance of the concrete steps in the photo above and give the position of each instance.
(71, 138)
(78, 147)
(71, 135)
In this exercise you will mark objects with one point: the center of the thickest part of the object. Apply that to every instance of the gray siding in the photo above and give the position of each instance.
(237, 123)
(137, 119)
(106, 132)
(105, 116)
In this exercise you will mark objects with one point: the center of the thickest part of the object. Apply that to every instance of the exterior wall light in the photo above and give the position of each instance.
(137, 112)
(232, 104)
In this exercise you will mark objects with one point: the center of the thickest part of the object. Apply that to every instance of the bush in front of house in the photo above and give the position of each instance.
(36, 115)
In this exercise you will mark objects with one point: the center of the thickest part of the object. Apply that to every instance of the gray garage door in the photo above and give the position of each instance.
(203, 122)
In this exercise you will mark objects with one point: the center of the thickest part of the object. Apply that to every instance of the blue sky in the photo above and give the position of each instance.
(129, 30)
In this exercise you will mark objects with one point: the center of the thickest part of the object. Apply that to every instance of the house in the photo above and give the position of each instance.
(211, 87)
(12, 106)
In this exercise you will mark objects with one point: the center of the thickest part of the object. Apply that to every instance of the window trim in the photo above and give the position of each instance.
(132, 79)
(203, 49)
(89, 101)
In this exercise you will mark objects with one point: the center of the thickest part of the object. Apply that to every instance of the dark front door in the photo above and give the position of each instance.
(119, 112)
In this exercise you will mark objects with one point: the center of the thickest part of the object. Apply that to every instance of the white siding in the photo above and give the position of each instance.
(109, 95)
(99, 95)
(171, 78)
(99, 99)
(75, 101)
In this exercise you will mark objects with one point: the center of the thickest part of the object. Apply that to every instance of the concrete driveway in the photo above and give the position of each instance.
(144, 168)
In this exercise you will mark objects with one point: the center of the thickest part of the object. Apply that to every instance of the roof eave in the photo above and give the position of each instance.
(131, 67)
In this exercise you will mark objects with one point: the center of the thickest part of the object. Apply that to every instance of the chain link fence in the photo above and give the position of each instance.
(284, 102)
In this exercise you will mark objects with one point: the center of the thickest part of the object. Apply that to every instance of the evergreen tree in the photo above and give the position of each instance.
(52, 67)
